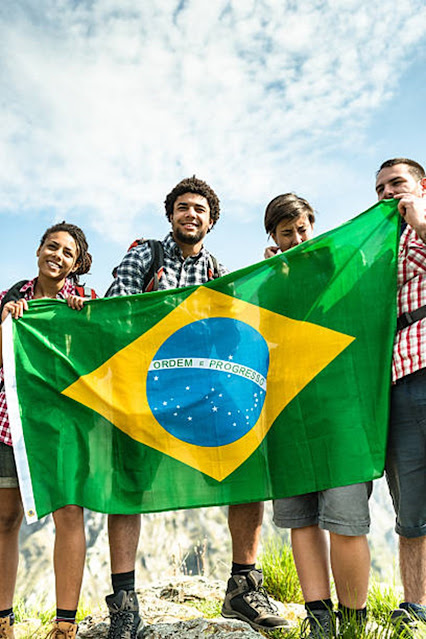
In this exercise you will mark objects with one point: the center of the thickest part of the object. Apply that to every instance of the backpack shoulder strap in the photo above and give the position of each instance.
(12, 294)
(213, 267)
(156, 267)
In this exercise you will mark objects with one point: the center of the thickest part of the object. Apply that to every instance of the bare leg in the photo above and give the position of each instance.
(245, 524)
(412, 561)
(11, 513)
(310, 552)
(350, 564)
(123, 531)
(69, 555)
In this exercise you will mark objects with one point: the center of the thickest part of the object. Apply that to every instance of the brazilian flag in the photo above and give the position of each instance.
(269, 382)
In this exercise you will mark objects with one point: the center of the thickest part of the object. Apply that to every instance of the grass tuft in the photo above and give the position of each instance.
(382, 599)
(208, 608)
(45, 614)
(279, 572)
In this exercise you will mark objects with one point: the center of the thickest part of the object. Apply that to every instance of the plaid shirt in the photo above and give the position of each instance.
(178, 271)
(409, 353)
(27, 291)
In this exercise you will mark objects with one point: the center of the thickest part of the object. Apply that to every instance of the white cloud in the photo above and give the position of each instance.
(106, 103)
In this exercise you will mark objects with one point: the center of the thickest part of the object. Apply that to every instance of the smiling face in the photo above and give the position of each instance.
(291, 232)
(57, 256)
(190, 219)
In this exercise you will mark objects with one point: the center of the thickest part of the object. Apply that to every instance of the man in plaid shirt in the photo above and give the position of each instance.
(192, 209)
(405, 180)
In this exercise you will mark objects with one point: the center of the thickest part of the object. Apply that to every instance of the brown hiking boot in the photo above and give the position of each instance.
(63, 630)
(6, 627)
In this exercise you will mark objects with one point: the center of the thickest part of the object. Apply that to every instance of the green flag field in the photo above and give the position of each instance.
(269, 382)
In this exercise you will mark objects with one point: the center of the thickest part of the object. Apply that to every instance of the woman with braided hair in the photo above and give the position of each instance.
(62, 256)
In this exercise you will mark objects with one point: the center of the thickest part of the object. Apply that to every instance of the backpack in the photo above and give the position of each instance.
(14, 293)
(156, 267)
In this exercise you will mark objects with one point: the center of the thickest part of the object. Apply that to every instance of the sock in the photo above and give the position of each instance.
(241, 569)
(359, 615)
(123, 581)
(6, 613)
(65, 615)
(320, 604)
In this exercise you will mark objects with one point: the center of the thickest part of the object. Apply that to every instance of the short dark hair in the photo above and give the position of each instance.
(287, 206)
(414, 167)
(84, 259)
(194, 185)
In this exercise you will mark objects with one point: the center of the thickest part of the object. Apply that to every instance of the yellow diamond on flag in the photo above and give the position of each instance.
(226, 396)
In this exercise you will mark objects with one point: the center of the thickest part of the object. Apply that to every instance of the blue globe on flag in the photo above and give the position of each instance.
(207, 382)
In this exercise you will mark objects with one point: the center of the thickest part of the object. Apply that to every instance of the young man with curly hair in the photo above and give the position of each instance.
(192, 209)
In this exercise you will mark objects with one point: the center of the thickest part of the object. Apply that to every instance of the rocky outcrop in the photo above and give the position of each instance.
(175, 609)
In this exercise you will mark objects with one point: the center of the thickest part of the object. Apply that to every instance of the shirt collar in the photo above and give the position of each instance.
(29, 288)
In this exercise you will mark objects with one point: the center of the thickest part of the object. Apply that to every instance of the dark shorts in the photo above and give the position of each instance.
(406, 454)
(342, 510)
(8, 474)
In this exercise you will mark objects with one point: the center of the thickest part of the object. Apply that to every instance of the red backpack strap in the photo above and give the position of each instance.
(136, 243)
(213, 267)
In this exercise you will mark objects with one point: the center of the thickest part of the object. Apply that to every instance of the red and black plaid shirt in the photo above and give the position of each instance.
(409, 353)
(27, 291)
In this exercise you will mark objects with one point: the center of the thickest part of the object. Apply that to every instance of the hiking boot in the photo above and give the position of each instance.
(407, 618)
(124, 615)
(403, 623)
(63, 630)
(318, 624)
(6, 627)
(247, 600)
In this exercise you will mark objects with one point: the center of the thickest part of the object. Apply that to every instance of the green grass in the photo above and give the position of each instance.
(279, 572)
(36, 611)
(209, 608)
(281, 582)
(382, 599)
(44, 613)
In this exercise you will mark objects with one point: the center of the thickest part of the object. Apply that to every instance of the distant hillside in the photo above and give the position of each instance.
(173, 544)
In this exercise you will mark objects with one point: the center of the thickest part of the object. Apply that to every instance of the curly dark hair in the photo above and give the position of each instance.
(287, 206)
(194, 185)
(416, 169)
(84, 259)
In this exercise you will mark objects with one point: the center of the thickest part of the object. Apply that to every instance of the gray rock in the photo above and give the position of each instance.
(195, 628)
(170, 611)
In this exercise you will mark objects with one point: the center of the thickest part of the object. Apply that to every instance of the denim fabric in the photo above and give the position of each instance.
(406, 454)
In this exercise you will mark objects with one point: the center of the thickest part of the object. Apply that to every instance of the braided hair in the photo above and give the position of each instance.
(84, 259)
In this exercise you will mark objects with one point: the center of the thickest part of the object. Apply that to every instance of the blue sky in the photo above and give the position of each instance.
(106, 104)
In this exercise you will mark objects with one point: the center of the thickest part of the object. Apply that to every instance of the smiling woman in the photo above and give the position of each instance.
(62, 256)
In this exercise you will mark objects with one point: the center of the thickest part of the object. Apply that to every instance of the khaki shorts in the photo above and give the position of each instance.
(8, 474)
